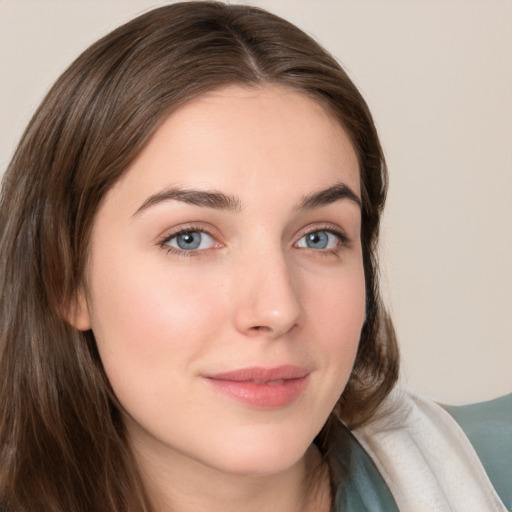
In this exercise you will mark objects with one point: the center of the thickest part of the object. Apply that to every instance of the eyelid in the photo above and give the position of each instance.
(335, 230)
(163, 241)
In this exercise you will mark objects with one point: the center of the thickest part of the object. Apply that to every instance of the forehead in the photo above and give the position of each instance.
(242, 140)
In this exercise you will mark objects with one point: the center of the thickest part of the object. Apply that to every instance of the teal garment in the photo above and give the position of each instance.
(362, 488)
(488, 426)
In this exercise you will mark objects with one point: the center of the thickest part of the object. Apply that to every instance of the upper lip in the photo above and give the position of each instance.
(262, 374)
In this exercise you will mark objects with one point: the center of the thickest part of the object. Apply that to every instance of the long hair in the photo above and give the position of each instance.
(63, 446)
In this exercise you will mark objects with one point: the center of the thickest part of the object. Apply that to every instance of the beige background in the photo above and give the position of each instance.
(438, 77)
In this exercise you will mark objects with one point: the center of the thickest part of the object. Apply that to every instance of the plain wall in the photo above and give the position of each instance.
(437, 75)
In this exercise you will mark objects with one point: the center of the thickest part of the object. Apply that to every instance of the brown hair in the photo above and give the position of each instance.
(62, 442)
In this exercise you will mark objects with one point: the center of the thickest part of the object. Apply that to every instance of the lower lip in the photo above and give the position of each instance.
(263, 396)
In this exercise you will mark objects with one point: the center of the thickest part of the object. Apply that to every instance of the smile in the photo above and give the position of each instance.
(262, 388)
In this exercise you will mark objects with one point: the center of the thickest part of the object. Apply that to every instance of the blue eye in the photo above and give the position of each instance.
(191, 241)
(320, 240)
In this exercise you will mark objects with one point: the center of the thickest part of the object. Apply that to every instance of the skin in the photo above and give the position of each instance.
(252, 294)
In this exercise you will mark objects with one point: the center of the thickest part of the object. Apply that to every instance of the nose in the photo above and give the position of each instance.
(267, 298)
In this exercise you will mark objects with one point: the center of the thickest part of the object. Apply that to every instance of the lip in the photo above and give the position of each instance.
(260, 387)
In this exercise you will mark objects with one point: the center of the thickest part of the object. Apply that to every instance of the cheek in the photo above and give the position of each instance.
(336, 307)
(336, 303)
(148, 322)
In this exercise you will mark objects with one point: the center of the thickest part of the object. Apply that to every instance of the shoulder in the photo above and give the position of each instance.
(361, 486)
(426, 459)
(488, 426)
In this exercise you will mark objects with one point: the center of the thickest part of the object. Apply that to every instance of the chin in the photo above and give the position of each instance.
(263, 455)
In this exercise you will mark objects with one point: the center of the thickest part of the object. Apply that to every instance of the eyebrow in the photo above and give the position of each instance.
(221, 201)
(328, 196)
(207, 199)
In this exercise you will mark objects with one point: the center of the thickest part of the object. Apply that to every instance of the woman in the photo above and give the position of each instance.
(190, 307)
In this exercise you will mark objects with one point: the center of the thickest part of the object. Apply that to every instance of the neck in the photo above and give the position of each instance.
(190, 486)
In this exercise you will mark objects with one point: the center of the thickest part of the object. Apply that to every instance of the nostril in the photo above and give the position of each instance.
(260, 328)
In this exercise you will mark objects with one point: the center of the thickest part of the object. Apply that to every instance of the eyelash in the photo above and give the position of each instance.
(344, 241)
(163, 243)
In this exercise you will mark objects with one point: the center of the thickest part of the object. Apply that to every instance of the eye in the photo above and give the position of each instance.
(190, 241)
(321, 240)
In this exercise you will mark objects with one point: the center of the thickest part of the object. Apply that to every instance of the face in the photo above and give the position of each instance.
(225, 283)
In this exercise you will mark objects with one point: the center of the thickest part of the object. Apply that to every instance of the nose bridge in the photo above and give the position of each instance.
(268, 301)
